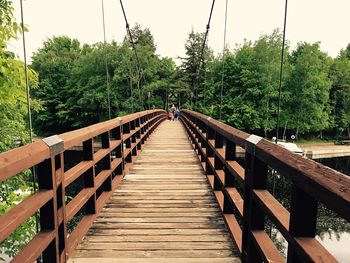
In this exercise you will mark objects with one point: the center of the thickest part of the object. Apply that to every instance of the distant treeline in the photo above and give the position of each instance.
(69, 87)
(315, 88)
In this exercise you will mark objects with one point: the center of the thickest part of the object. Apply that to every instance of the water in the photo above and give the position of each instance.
(337, 237)
(332, 231)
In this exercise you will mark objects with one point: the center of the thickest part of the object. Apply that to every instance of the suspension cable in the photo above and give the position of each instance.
(201, 57)
(223, 62)
(138, 66)
(131, 88)
(281, 69)
(106, 62)
(30, 128)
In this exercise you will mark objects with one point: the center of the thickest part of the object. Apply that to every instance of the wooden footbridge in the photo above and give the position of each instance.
(152, 190)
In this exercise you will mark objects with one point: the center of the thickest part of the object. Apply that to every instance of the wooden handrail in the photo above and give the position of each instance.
(215, 144)
(121, 139)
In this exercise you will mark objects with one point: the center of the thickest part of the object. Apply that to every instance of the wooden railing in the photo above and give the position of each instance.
(245, 213)
(108, 149)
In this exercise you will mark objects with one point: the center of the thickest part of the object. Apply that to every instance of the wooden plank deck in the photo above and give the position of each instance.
(163, 211)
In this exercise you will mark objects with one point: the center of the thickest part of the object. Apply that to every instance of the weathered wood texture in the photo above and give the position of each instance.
(163, 210)
(245, 200)
(107, 152)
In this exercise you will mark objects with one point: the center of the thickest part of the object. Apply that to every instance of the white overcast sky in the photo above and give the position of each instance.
(170, 21)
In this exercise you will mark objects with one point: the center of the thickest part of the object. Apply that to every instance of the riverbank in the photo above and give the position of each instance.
(324, 150)
(316, 150)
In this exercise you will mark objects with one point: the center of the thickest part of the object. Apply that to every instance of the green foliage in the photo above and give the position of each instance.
(191, 73)
(250, 84)
(308, 86)
(13, 126)
(310, 103)
(54, 63)
(340, 93)
(73, 87)
(12, 192)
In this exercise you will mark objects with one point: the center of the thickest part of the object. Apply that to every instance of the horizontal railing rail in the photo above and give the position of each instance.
(108, 150)
(245, 210)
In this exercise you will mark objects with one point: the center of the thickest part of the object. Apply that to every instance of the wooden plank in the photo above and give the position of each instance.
(267, 250)
(73, 173)
(156, 238)
(311, 250)
(220, 199)
(35, 247)
(101, 177)
(235, 230)
(21, 212)
(155, 260)
(78, 202)
(235, 198)
(136, 214)
(111, 253)
(236, 169)
(327, 185)
(163, 208)
(168, 210)
(150, 232)
(98, 156)
(114, 144)
(273, 209)
(78, 233)
(161, 219)
(19, 159)
(134, 246)
(106, 225)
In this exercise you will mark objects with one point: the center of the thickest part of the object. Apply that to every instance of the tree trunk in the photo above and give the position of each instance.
(297, 133)
(284, 131)
(348, 131)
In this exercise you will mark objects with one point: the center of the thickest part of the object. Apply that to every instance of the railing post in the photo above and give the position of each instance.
(138, 134)
(89, 175)
(61, 208)
(209, 151)
(106, 161)
(117, 134)
(127, 142)
(49, 216)
(303, 218)
(253, 217)
(230, 155)
(218, 165)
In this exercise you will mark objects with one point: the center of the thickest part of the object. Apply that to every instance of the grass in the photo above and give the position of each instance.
(314, 141)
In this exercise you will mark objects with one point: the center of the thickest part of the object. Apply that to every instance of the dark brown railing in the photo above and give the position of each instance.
(108, 150)
(215, 144)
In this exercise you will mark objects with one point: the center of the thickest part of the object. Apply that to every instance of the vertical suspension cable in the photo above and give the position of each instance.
(202, 53)
(138, 66)
(279, 98)
(206, 79)
(30, 128)
(223, 62)
(131, 90)
(106, 62)
(281, 70)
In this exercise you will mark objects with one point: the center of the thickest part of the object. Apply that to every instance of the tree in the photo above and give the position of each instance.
(250, 84)
(308, 85)
(73, 80)
(54, 63)
(193, 67)
(13, 126)
(340, 93)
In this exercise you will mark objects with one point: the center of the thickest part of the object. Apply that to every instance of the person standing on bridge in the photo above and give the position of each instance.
(172, 112)
(176, 114)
